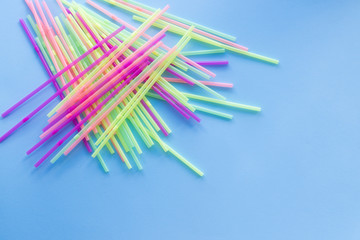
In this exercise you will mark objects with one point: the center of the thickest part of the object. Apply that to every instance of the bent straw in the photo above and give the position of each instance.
(31, 38)
(143, 12)
(207, 83)
(203, 52)
(30, 115)
(54, 77)
(112, 16)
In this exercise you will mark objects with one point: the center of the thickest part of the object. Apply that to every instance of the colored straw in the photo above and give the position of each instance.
(106, 77)
(203, 52)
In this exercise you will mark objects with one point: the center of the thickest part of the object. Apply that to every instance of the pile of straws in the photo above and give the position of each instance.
(105, 74)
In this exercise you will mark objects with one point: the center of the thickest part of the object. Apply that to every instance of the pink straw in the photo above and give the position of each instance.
(53, 78)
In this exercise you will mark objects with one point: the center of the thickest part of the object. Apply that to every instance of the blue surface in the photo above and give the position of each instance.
(290, 172)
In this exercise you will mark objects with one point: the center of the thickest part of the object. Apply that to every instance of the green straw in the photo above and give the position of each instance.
(206, 29)
(173, 28)
(222, 102)
(203, 52)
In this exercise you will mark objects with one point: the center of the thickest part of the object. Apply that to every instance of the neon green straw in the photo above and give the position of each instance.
(148, 84)
(209, 30)
(203, 52)
(222, 102)
(178, 156)
(180, 31)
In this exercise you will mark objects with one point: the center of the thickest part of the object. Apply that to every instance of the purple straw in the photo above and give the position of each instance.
(177, 102)
(95, 110)
(7, 112)
(24, 120)
(121, 68)
(47, 68)
(170, 102)
(57, 129)
(112, 85)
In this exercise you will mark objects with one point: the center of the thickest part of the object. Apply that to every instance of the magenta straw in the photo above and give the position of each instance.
(209, 63)
(156, 120)
(93, 35)
(170, 102)
(113, 84)
(65, 69)
(180, 76)
(13, 129)
(189, 112)
(97, 97)
(95, 110)
(62, 125)
(47, 68)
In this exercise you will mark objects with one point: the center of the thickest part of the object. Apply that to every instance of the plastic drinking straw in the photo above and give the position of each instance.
(113, 103)
(209, 90)
(143, 12)
(94, 37)
(52, 79)
(171, 103)
(231, 38)
(198, 37)
(57, 127)
(57, 45)
(59, 34)
(59, 143)
(203, 52)
(211, 63)
(96, 118)
(146, 36)
(178, 156)
(198, 108)
(47, 69)
(101, 160)
(160, 88)
(213, 112)
(147, 85)
(50, 34)
(175, 93)
(96, 19)
(43, 32)
(30, 115)
(207, 83)
(86, 103)
(222, 102)
(122, 48)
(120, 67)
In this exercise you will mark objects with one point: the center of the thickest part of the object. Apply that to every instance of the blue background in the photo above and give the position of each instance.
(290, 172)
